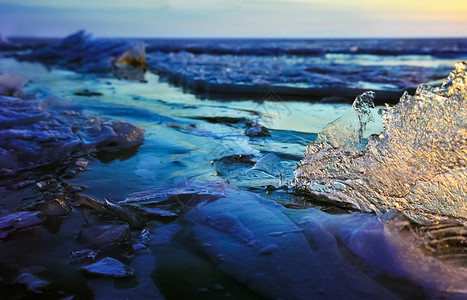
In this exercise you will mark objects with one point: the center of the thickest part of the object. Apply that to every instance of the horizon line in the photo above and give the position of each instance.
(238, 37)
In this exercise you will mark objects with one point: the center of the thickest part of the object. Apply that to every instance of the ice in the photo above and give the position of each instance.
(230, 239)
(143, 265)
(55, 208)
(269, 164)
(310, 47)
(348, 130)
(254, 129)
(390, 243)
(243, 170)
(32, 134)
(108, 267)
(32, 283)
(163, 234)
(446, 241)
(179, 197)
(269, 249)
(21, 219)
(239, 234)
(84, 255)
(10, 223)
(105, 234)
(433, 255)
(229, 164)
(79, 52)
(363, 105)
(106, 136)
(139, 248)
(77, 39)
(157, 212)
(417, 165)
(134, 215)
(311, 69)
(11, 84)
(132, 63)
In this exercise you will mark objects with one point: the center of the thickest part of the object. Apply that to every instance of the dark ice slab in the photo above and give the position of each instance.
(108, 267)
(32, 135)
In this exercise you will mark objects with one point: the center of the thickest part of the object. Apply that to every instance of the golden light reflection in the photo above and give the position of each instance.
(417, 165)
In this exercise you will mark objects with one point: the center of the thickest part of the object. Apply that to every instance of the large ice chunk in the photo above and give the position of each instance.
(417, 165)
(253, 241)
(32, 135)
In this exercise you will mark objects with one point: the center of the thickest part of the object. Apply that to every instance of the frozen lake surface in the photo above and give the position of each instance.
(115, 188)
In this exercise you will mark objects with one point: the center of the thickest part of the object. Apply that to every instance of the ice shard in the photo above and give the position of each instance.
(132, 63)
(417, 165)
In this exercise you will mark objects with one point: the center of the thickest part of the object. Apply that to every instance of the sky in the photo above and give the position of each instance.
(235, 18)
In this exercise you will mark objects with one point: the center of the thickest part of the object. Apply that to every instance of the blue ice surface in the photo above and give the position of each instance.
(273, 251)
(311, 69)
